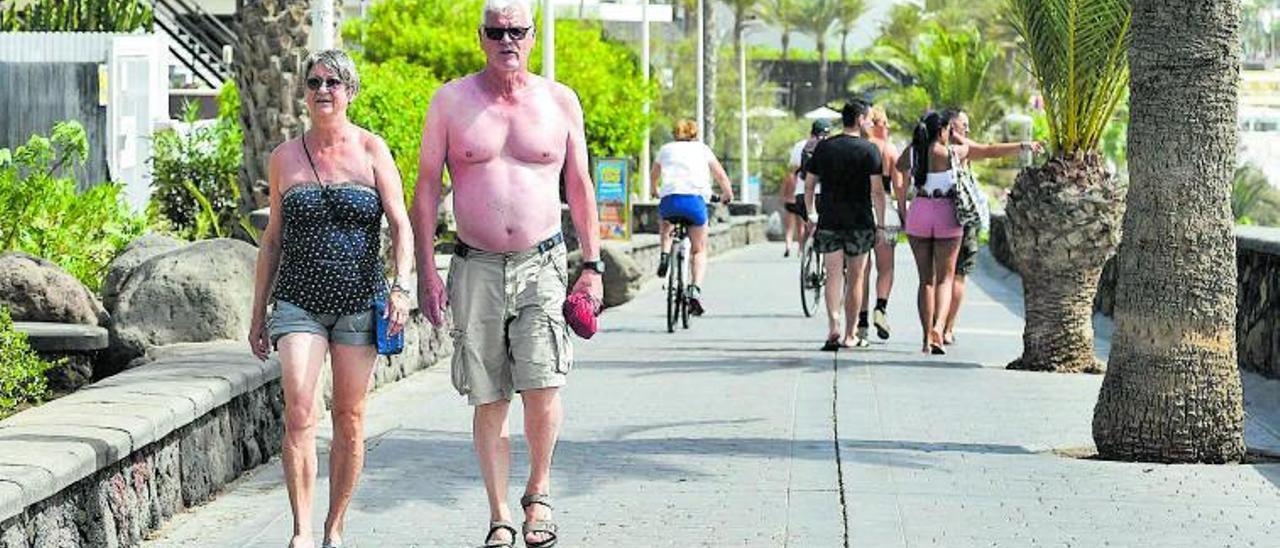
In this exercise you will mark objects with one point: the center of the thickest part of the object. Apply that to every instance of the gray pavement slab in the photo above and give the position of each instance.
(725, 435)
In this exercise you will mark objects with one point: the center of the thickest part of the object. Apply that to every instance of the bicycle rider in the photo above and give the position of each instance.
(681, 179)
(800, 154)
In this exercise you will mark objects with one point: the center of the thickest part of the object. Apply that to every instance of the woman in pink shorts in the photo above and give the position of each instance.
(931, 219)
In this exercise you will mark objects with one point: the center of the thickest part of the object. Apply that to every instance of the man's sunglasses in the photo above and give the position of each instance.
(516, 33)
(313, 83)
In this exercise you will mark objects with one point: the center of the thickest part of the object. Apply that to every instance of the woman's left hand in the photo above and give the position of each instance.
(397, 311)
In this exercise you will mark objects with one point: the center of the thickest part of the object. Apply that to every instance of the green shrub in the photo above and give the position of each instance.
(76, 16)
(195, 184)
(393, 103)
(441, 36)
(42, 214)
(22, 379)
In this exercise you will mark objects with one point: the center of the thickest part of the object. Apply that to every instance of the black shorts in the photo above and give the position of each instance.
(797, 208)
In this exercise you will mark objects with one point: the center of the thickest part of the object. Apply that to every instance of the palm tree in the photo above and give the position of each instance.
(848, 12)
(780, 14)
(710, 66)
(816, 18)
(1172, 392)
(1064, 216)
(272, 45)
(948, 68)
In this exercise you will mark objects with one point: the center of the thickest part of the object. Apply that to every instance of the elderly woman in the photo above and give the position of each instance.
(319, 263)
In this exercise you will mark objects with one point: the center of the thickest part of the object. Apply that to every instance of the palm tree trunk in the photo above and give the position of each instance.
(1063, 223)
(709, 56)
(786, 44)
(844, 48)
(823, 77)
(272, 46)
(1172, 393)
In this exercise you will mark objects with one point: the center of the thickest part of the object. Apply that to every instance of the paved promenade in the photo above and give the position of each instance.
(724, 435)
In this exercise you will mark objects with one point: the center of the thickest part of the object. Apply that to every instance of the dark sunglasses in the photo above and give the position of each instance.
(516, 33)
(313, 83)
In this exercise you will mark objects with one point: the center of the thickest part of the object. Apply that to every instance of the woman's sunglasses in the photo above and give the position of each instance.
(314, 83)
(496, 33)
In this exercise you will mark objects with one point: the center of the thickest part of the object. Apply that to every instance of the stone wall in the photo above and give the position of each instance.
(1258, 300)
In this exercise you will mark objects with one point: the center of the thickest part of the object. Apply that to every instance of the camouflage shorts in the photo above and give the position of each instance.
(853, 242)
(967, 260)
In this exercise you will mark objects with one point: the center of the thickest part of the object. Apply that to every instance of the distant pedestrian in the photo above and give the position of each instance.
(850, 169)
(894, 188)
(793, 186)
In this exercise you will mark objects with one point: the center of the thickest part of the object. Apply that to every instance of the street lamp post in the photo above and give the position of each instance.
(549, 39)
(322, 25)
(644, 71)
(702, 38)
(742, 93)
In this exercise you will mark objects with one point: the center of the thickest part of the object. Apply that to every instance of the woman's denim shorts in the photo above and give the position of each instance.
(349, 329)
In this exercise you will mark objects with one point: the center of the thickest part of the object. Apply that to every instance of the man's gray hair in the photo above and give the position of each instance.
(499, 6)
(339, 63)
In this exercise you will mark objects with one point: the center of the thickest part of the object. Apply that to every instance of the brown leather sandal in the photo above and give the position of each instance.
(539, 526)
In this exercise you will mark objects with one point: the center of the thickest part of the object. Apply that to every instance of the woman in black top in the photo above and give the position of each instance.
(319, 263)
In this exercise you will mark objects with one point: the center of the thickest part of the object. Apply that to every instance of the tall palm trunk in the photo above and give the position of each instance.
(844, 48)
(1172, 393)
(823, 75)
(1064, 223)
(786, 44)
(709, 55)
(272, 46)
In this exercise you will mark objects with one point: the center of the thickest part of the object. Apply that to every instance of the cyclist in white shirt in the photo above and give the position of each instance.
(682, 180)
(800, 154)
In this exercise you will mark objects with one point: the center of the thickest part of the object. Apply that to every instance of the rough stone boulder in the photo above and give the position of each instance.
(196, 293)
(37, 290)
(622, 276)
(136, 253)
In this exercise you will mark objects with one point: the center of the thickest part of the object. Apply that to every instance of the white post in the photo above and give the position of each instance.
(742, 92)
(644, 71)
(323, 25)
(702, 38)
(549, 39)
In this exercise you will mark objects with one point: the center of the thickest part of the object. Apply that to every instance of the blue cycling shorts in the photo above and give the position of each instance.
(689, 207)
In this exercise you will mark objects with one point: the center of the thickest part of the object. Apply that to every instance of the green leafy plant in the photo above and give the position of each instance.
(1249, 186)
(393, 103)
(195, 174)
(22, 380)
(1079, 56)
(76, 16)
(41, 212)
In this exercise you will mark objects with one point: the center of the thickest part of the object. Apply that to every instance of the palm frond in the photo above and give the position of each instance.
(1079, 55)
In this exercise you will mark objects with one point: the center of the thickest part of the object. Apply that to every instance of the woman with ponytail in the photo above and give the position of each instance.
(932, 229)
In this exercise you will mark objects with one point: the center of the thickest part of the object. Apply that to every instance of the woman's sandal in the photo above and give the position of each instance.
(539, 526)
(494, 527)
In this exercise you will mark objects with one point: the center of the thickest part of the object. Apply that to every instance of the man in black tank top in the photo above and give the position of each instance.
(851, 172)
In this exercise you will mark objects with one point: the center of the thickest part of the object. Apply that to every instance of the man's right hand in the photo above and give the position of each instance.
(433, 298)
(259, 341)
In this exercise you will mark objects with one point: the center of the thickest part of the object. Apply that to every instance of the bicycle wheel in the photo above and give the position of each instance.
(812, 278)
(673, 296)
(684, 298)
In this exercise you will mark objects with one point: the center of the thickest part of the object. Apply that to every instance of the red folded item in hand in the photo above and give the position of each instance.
(580, 311)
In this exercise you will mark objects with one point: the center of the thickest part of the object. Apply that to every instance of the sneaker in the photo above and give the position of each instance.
(664, 262)
(695, 300)
(861, 342)
(882, 324)
(862, 332)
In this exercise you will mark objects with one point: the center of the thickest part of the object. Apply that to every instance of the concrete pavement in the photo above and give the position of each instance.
(724, 435)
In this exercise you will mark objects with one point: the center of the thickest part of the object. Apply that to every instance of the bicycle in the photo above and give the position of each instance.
(813, 276)
(677, 278)
(677, 299)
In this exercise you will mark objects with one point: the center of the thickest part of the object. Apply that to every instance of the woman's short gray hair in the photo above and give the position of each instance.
(499, 6)
(339, 63)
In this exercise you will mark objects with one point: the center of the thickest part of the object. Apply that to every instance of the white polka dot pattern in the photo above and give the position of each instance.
(330, 243)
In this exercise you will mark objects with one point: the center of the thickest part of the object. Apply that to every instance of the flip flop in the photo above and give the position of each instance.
(832, 344)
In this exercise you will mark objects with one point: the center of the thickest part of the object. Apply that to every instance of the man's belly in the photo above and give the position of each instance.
(507, 211)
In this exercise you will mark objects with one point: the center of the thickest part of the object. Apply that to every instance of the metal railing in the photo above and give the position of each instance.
(197, 39)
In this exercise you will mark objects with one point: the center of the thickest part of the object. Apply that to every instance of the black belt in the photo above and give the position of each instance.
(461, 249)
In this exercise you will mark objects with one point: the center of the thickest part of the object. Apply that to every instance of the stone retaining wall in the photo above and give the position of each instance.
(1258, 300)
(107, 465)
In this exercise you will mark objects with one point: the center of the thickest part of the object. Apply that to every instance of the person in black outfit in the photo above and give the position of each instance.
(850, 169)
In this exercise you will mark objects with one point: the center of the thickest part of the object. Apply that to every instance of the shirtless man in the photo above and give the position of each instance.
(505, 136)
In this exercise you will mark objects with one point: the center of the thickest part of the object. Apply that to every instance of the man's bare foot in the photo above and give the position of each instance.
(302, 541)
